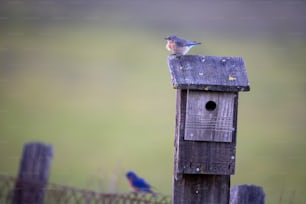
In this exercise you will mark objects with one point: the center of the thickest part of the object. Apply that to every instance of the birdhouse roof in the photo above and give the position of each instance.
(210, 73)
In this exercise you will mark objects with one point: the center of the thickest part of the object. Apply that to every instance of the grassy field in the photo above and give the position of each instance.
(103, 99)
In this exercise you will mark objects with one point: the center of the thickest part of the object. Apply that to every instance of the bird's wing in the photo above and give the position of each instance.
(142, 185)
(180, 43)
(192, 43)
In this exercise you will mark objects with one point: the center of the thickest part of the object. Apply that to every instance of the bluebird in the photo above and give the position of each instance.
(179, 46)
(138, 184)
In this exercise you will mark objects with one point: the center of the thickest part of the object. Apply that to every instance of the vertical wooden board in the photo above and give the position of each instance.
(179, 129)
(207, 158)
(201, 157)
(34, 172)
(247, 194)
(209, 116)
(196, 189)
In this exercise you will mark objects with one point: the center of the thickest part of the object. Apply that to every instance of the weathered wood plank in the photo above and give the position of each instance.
(210, 116)
(33, 173)
(206, 123)
(207, 158)
(210, 73)
(206, 165)
(179, 130)
(203, 157)
(196, 189)
(249, 194)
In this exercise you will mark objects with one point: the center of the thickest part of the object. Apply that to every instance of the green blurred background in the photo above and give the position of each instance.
(91, 78)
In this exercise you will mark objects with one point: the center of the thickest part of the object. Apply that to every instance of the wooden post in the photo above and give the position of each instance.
(206, 124)
(33, 173)
(249, 194)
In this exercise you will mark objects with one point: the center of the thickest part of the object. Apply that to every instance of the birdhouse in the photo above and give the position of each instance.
(206, 112)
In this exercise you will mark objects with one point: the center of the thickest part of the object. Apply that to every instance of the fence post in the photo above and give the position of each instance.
(249, 194)
(206, 124)
(33, 173)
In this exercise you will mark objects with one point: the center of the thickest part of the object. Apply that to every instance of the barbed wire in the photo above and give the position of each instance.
(61, 194)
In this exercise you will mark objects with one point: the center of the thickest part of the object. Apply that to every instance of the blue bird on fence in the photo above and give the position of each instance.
(179, 46)
(138, 184)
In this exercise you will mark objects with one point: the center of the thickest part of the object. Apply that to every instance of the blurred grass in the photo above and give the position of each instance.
(103, 98)
(96, 99)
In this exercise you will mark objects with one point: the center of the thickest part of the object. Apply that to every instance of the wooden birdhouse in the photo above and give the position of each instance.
(206, 123)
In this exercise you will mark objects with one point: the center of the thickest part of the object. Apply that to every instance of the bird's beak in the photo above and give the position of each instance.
(166, 38)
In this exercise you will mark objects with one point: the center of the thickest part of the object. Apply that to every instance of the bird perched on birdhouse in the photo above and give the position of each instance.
(179, 46)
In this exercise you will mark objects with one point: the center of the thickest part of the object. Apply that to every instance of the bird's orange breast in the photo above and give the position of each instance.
(171, 46)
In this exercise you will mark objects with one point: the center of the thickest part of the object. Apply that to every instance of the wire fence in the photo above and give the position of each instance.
(60, 194)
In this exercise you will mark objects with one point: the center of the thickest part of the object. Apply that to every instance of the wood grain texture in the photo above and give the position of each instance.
(205, 154)
(207, 158)
(202, 169)
(202, 189)
(210, 73)
(250, 194)
(33, 173)
(205, 124)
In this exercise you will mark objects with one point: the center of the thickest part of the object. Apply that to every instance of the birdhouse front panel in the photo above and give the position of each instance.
(210, 116)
